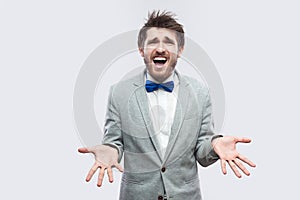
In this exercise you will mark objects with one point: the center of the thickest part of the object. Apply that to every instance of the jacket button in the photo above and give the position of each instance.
(163, 169)
(160, 197)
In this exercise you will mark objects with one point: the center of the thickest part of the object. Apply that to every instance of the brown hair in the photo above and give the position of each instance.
(161, 20)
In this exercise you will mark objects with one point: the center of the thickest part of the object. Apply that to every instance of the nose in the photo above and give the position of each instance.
(160, 48)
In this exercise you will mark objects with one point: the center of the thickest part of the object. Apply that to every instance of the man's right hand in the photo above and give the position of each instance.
(106, 157)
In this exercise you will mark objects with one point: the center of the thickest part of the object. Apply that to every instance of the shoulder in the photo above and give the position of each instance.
(199, 86)
(126, 87)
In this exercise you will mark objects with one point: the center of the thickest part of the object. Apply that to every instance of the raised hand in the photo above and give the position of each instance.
(106, 157)
(225, 147)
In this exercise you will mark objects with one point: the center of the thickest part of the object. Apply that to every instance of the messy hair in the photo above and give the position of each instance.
(162, 19)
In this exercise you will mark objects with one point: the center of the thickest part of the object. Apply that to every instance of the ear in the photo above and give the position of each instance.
(180, 50)
(141, 50)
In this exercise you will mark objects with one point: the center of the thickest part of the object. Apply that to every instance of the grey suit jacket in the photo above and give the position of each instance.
(128, 127)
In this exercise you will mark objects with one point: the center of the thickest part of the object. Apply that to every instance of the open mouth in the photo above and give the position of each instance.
(159, 60)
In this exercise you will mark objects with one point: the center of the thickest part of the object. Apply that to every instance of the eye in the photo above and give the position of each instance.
(169, 42)
(151, 42)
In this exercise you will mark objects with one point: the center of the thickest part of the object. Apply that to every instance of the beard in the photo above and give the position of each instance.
(160, 74)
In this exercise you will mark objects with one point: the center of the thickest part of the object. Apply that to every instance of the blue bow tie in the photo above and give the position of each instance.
(151, 86)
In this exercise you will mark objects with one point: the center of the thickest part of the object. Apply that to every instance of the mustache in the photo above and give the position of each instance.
(164, 54)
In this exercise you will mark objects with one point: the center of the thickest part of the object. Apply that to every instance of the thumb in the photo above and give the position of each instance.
(83, 150)
(119, 167)
(243, 140)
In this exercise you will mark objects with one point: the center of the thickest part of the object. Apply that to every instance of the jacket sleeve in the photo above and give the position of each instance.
(204, 151)
(112, 129)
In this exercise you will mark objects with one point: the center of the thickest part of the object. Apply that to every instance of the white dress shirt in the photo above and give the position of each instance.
(162, 106)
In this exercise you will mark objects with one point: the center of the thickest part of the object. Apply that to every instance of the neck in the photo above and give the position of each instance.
(156, 80)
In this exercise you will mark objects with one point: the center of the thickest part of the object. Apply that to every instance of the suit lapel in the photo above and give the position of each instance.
(142, 100)
(181, 107)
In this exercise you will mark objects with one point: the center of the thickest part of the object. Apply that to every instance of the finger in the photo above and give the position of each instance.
(246, 160)
(101, 175)
(83, 150)
(119, 167)
(234, 169)
(242, 139)
(110, 174)
(92, 172)
(223, 166)
(241, 166)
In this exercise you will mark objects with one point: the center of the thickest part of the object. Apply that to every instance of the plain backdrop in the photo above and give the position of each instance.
(43, 44)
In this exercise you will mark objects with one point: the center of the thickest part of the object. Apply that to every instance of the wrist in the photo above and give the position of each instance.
(214, 139)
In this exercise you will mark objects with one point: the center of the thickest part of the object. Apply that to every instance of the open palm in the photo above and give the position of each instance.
(106, 157)
(225, 147)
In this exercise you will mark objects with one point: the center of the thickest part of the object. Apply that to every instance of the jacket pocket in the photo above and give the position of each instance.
(192, 180)
(131, 181)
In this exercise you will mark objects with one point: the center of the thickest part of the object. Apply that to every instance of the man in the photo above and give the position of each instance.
(162, 122)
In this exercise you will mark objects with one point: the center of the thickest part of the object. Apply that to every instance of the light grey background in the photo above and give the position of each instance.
(254, 45)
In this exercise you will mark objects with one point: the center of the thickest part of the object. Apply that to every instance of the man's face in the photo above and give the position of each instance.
(160, 52)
